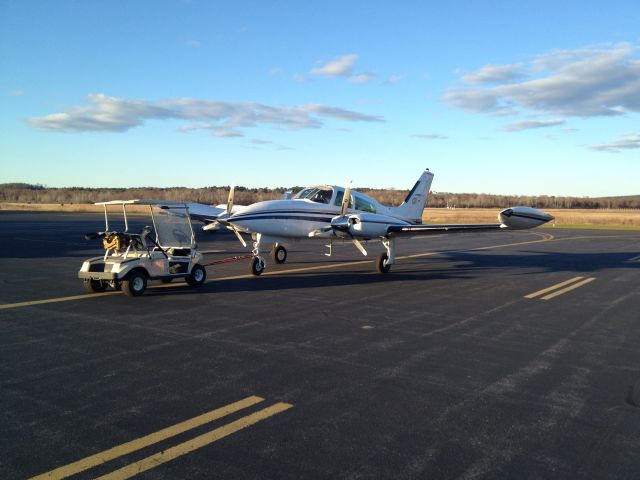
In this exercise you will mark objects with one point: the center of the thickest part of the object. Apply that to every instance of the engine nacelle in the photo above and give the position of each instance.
(363, 226)
(523, 218)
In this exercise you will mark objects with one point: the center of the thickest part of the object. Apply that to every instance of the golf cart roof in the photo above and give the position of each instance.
(159, 203)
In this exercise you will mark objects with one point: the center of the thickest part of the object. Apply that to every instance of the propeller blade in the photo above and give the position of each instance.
(359, 246)
(230, 200)
(238, 236)
(346, 198)
(211, 226)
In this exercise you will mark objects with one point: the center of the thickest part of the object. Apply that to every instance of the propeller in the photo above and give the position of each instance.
(227, 213)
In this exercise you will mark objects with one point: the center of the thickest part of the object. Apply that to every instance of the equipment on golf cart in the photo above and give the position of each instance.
(163, 252)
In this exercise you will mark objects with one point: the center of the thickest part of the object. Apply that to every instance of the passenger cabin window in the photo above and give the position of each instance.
(339, 197)
(361, 203)
(364, 204)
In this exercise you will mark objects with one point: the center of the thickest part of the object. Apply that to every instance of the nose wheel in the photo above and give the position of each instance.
(257, 266)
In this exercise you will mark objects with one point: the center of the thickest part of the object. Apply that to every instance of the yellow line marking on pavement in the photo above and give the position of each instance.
(200, 441)
(553, 287)
(568, 289)
(546, 237)
(56, 300)
(143, 442)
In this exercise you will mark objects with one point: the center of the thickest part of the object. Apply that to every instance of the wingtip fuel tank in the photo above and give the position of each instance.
(523, 218)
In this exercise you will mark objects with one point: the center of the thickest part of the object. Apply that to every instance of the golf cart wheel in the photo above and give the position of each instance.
(135, 284)
(381, 265)
(279, 254)
(94, 286)
(197, 276)
(257, 266)
(166, 279)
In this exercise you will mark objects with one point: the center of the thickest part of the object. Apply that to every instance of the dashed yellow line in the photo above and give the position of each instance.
(545, 238)
(142, 442)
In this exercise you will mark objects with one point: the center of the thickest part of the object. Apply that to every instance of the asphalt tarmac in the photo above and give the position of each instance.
(480, 356)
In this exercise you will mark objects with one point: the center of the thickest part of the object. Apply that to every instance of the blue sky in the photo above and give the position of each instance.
(498, 97)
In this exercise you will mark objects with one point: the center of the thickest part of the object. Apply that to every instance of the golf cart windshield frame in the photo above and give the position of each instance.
(171, 222)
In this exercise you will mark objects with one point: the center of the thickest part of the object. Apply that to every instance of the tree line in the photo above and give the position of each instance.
(27, 193)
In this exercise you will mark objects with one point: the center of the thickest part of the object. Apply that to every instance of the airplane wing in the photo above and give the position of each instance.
(440, 229)
(515, 218)
(204, 213)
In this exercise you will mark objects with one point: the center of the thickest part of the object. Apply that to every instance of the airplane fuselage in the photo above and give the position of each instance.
(285, 218)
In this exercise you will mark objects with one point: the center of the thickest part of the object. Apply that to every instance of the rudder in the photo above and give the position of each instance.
(413, 206)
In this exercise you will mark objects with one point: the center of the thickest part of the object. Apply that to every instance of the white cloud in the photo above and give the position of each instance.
(338, 67)
(626, 142)
(393, 79)
(340, 113)
(429, 136)
(224, 119)
(362, 77)
(495, 74)
(16, 92)
(531, 124)
(597, 81)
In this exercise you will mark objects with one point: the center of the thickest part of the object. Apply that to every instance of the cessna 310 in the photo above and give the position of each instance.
(334, 212)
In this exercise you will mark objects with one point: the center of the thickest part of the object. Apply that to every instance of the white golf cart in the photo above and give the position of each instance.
(163, 252)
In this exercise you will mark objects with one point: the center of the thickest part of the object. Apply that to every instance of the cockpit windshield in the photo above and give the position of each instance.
(316, 194)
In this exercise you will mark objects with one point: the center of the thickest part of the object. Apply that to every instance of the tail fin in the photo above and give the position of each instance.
(412, 207)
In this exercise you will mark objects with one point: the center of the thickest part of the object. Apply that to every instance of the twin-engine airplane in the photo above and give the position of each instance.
(334, 212)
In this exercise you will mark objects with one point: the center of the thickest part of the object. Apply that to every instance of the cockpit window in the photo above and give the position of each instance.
(316, 194)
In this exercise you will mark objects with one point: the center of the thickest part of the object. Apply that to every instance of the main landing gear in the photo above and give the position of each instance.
(279, 254)
(257, 266)
(388, 258)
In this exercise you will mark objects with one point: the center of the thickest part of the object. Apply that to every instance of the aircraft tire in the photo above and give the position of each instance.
(380, 265)
(197, 276)
(279, 254)
(256, 267)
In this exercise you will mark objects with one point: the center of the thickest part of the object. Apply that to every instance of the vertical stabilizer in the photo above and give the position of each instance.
(412, 207)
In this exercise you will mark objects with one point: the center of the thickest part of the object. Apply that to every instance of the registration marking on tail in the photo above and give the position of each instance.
(560, 288)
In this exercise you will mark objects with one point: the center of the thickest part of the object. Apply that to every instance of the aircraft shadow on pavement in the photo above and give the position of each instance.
(462, 265)
(543, 261)
(307, 281)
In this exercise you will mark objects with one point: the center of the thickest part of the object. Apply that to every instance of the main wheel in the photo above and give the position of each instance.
(135, 284)
(381, 264)
(94, 286)
(279, 254)
(197, 276)
(257, 266)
